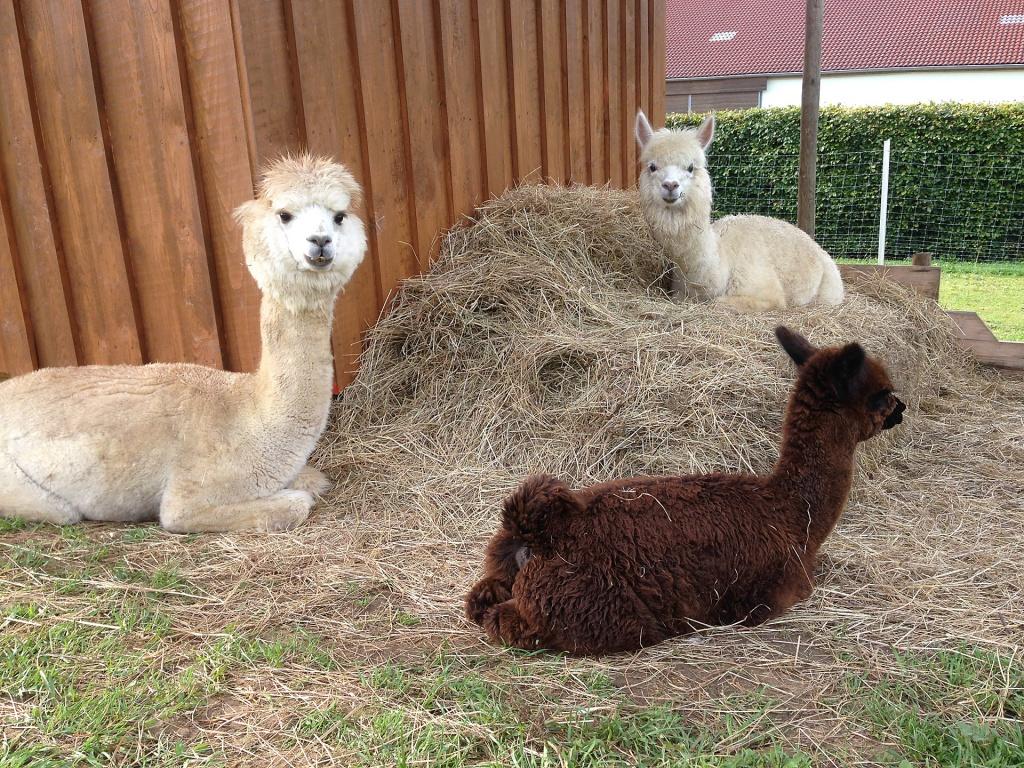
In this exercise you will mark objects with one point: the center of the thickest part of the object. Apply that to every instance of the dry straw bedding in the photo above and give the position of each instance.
(542, 339)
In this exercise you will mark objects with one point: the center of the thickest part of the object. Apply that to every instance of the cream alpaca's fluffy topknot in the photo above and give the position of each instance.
(306, 173)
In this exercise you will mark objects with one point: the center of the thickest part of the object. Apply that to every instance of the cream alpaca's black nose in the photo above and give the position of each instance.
(319, 240)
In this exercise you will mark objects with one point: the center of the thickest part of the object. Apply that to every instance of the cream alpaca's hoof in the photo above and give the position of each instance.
(301, 502)
(311, 480)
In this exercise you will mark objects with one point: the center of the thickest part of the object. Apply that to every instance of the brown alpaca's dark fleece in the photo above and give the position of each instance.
(629, 563)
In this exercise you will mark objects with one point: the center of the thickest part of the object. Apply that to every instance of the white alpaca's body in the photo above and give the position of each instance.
(197, 448)
(751, 262)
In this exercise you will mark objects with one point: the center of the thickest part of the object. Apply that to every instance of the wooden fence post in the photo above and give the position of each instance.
(809, 114)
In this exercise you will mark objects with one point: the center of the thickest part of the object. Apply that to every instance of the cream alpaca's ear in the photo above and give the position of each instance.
(249, 210)
(643, 129)
(706, 131)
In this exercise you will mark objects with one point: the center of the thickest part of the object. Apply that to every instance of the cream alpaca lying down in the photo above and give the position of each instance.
(751, 262)
(201, 449)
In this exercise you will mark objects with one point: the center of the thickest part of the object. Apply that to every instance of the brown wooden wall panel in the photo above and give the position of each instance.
(390, 169)
(268, 53)
(463, 107)
(553, 118)
(328, 68)
(74, 150)
(428, 135)
(16, 353)
(595, 75)
(656, 32)
(496, 97)
(630, 98)
(137, 60)
(526, 91)
(575, 91)
(30, 211)
(117, 186)
(225, 173)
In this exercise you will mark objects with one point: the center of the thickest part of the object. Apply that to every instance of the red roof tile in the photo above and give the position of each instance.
(859, 34)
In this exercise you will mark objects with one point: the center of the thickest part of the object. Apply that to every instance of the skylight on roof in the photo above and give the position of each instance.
(1017, 18)
(722, 37)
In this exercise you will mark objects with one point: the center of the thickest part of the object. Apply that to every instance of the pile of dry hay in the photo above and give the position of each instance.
(543, 340)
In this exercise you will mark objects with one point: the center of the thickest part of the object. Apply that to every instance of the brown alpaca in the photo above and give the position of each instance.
(629, 563)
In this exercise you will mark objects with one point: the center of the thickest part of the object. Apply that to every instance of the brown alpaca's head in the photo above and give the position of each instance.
(845, 380)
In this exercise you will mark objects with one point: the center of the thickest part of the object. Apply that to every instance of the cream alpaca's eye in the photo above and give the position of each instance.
(690, 169)
(284, 216)
(652, 167)
(339, 217)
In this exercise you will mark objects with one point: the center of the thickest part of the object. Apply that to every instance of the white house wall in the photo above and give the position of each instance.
(873, 89)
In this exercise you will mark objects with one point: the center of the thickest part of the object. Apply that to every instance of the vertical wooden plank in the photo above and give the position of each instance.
(389, 168)
(553, 76)
(16, 353)
(629, 100)
(75, 152)
(575, 94)
(137, 61)
(328, 73)
(270, 75)
(21, 167)
(596, 76)
(613, 86)
(643, 48)
(225, 174)
(526, 88)
(657, 36)
(421, 62)
(464, 111)
(496, 96)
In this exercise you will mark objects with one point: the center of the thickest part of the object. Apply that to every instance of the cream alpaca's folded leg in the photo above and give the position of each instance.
(311, 480)
(279, 512)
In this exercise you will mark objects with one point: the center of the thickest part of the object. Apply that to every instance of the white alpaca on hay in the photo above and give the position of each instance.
(197, 448)
(753, 263)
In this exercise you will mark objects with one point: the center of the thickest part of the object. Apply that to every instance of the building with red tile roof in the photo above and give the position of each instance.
(735, 53)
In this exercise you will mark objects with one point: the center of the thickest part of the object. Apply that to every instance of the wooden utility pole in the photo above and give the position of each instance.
(809, 114)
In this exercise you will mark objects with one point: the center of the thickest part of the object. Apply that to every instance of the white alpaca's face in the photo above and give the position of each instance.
(673, 162)
(317, 240)
(672, 181)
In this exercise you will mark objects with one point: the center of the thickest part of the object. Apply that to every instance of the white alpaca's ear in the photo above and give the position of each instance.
(249, 210)
(706, 131)
(643, 129)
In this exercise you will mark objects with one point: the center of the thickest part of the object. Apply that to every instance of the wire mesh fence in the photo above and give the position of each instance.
(966, 207)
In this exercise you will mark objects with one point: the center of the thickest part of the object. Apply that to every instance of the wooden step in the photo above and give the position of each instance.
(971, 326)
(924, 280)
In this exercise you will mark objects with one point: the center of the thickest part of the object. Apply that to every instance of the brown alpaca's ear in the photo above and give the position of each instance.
(848, 370)
(796, 346)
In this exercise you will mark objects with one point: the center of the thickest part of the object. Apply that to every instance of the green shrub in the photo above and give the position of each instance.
(956, 176)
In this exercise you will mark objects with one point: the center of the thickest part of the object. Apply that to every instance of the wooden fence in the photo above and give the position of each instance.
(129, 130)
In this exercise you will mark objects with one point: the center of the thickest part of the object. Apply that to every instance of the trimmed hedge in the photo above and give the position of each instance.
(956, 175)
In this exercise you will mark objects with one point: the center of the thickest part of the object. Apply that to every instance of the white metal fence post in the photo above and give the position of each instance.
(884, 211)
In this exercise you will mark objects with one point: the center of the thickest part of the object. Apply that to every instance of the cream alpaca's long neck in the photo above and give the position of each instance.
(692, 244)
(815, 470)
(294, 380)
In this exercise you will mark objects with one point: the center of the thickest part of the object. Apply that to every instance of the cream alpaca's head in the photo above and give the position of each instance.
(302, 240)
(673, 168)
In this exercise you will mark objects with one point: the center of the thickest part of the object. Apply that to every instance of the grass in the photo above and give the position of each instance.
(994, 290)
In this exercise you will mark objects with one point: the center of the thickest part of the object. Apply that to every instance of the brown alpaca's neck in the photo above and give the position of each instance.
(294, 380)
(815, 468)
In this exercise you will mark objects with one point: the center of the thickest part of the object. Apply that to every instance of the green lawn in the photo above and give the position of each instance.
(994, 290)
